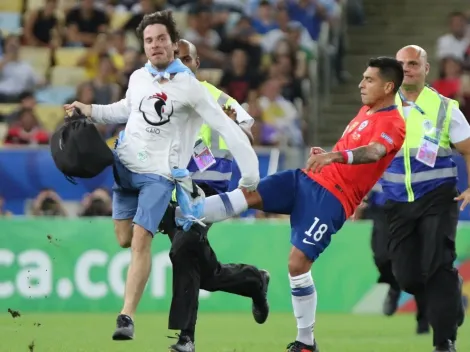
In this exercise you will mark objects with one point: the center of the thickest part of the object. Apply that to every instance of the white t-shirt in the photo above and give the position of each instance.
(163, 121)
(450, 46)
(459, 129)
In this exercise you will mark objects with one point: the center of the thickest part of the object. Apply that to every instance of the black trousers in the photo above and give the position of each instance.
(382, 259)
(422, 250)
(195, 266)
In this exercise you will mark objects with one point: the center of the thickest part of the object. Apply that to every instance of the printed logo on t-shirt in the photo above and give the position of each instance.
(157, 106)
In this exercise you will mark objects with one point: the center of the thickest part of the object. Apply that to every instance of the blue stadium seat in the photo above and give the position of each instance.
(56, 95)
(10, 22)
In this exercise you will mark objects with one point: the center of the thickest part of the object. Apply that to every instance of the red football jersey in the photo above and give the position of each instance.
(351, 183)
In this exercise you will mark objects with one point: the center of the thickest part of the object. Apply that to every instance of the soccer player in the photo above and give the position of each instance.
(322, 196)
(164, 108)
(195, 264)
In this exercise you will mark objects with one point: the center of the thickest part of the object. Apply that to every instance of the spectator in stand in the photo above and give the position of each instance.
(239, 81)
(145, 7)
(101, 48)
(105, 89)
(456, 42)
(257, 129)
(206, 39)
(16, 76)
(280, 117)
(263, 21)
(85, 94)
(84, 23)
(3, 210)
(450, 78)
(40, 24)
(464, 93)
(304, 54)
(27, 101)
(118, 48)
(269, 40)
(27, 130)
(127, 6)
(48, 203)
(252, 6)
(311, 14)
(131, 63)
(98, 203)
(243, 36)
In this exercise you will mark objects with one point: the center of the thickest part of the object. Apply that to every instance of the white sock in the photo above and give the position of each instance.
(304, 302)
(222, 206)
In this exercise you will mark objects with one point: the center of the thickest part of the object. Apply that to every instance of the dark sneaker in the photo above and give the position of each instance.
(184, 344)
(260, 307)
(301, 347)
(124, 328)
(446, 347)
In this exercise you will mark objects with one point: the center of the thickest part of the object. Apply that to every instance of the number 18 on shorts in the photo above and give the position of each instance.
(315, 218)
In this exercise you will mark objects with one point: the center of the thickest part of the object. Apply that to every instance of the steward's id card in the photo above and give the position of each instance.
(427, 152)
(202, 156)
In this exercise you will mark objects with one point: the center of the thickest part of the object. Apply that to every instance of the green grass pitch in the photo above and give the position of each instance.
(223, 332)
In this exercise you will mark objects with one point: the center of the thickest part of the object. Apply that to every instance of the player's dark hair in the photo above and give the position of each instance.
(160, 17)
(390, 70)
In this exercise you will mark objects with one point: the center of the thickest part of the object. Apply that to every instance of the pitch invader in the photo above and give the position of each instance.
(322, 196)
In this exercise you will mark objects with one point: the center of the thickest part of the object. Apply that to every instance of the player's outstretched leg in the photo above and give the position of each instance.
(304, 301)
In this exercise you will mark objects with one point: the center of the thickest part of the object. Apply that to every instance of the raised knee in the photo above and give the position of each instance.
(124, 241)
(123, 233)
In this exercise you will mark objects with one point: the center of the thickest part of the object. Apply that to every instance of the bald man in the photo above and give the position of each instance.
(422, 209)
(195, 264)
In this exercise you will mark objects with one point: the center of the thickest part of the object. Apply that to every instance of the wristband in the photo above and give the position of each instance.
(347, 156)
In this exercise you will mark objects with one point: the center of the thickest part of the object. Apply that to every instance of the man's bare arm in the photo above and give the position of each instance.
(368, 154)
(363, 155)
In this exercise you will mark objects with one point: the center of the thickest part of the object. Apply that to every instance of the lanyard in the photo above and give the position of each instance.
(410, 103)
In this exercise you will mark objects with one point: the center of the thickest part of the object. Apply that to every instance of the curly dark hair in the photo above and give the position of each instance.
(160, 17)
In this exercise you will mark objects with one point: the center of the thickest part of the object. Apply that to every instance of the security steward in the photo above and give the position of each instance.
(372, 208)
(422, 207)
(195, 264)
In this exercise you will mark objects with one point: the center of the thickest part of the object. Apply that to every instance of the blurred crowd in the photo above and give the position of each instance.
(49, 203)
(258, 51)
(453, 55)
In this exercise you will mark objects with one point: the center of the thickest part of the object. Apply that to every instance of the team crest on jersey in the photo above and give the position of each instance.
(363, 125)
(157, 105)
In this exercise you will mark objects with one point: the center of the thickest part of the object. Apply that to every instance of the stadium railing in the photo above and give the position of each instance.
(321, 73)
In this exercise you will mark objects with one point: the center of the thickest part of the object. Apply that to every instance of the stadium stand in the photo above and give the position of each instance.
(268, 58)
